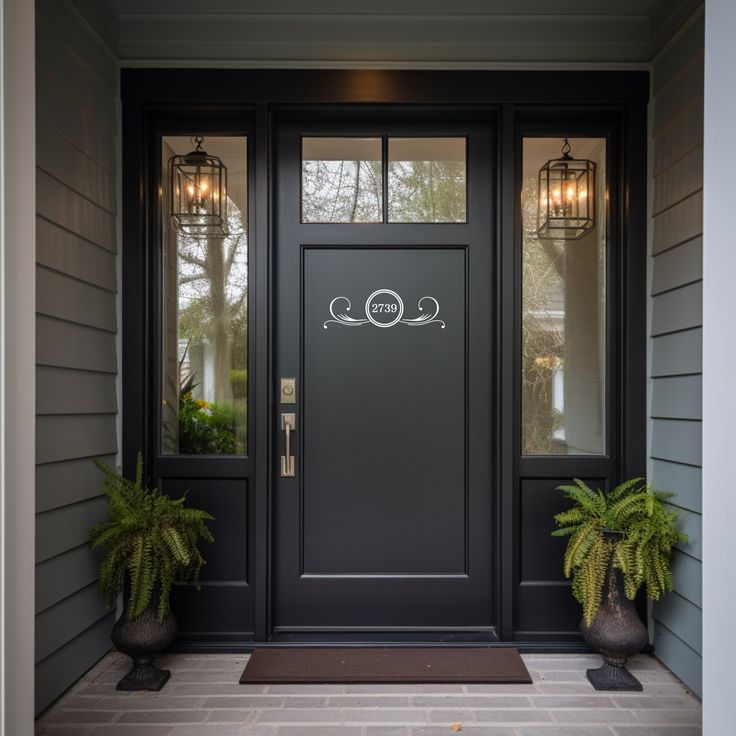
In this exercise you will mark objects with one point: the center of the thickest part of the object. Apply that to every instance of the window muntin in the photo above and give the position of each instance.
(205, 317)
(563, 341)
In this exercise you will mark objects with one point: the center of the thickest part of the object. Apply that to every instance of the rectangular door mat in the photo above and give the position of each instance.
(385, 664)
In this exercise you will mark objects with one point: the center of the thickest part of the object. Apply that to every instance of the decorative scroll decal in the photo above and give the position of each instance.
(384, 308)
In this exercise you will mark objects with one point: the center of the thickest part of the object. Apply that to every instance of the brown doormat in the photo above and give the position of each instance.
(383, 664)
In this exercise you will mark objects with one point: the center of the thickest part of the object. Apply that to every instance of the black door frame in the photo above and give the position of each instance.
(244, 101)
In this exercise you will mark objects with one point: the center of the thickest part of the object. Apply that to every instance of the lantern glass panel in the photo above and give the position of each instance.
(198, 193)
(205, 298)
(564, 343)
(566, 203)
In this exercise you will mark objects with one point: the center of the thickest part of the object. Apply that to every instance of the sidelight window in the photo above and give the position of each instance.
(563, 360)
(205, 314)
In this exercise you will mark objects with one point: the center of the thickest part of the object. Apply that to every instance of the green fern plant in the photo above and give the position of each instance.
(647, 531)
(149, 539)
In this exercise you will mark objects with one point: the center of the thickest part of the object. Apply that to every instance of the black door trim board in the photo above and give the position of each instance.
(245, 101)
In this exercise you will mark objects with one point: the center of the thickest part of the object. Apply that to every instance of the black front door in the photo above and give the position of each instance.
(384, 518)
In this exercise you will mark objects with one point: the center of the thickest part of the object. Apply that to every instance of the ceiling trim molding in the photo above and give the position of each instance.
(387, 65)
(385, 40)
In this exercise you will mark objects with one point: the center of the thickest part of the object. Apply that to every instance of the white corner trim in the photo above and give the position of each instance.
(17, 365)
(719, 359)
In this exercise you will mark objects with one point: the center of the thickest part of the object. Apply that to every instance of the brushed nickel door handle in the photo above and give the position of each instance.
(288, 465)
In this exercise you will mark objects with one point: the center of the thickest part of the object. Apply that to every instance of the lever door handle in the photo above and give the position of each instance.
(288, 466)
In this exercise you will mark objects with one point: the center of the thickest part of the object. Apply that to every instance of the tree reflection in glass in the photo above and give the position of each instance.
(206, 326)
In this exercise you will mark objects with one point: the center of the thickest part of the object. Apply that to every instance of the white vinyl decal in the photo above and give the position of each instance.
(384, 308)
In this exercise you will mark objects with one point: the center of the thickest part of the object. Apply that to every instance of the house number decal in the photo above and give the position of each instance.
(384, 308)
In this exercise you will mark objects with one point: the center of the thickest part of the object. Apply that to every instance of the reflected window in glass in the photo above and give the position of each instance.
(205, 314)
(427, 180)
(563, 387)
(342, 180)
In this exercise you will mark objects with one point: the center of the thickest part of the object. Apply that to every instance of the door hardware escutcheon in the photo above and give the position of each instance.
(288, 465)
(288, 390)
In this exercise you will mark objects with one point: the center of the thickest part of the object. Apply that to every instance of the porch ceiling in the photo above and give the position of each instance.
(384, 33)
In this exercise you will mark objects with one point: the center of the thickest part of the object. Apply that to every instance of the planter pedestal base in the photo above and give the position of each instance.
(612, 676)
(144, 676)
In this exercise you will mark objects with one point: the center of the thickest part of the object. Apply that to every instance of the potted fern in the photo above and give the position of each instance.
(150, 542)
(618, 542)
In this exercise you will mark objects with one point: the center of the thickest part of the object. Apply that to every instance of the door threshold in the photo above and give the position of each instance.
(387, 638)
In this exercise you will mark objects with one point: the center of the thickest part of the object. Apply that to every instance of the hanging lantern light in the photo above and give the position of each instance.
(198, 189)
(566, 200)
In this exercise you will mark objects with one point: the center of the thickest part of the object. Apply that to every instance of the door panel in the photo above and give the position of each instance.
(387, 523)
(384, 413)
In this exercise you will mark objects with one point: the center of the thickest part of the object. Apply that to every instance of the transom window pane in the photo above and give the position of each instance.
(563, 313)
(205, 310)
(342, 180)
(427, 180)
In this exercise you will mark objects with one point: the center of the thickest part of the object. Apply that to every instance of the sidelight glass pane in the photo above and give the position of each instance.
(205, 311)
(427, 180)
(342, 180)
(563, 316)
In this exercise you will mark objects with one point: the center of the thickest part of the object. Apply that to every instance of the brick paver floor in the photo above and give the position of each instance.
(203, 698)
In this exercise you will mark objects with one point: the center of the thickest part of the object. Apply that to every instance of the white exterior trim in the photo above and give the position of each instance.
(719, 368)
(17, 364)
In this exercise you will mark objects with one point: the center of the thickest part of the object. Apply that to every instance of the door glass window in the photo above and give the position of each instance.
(427, 180)
(205, 302)
(563, 307)
(342, 180)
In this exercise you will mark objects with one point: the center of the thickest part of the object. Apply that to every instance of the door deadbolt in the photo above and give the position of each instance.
(288, 390)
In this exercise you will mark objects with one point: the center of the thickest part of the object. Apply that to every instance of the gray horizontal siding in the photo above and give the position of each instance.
(678, 441)
(680, 136)
(671, 101)
(58, 624)
(685, 481)
(67, 527)
(76, 304)
(67, 482)
(75, 301)
(70, 210)
(680, 657)
(61, 576)
(68, 345)
(65, 437)
(73, 121)
(687, 574)
(678, 266)
(55, 673)
(683, 618)
(677, 354)
(670, 63)
(678, 224)
(64, 161)
(63, 251)
(677, 397)
(64, 391)
(679, 181)
(676, 335)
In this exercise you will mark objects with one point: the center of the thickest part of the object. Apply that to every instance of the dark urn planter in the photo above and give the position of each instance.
(143, 639)
(617, 632)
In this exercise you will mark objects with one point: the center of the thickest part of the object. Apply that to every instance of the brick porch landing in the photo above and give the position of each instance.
(203, 698)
